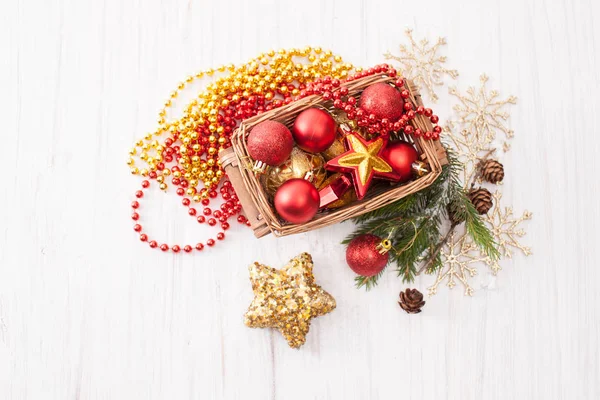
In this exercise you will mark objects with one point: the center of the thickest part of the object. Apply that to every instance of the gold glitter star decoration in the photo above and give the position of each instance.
(287, 299)
(421, 63)
(481, 117)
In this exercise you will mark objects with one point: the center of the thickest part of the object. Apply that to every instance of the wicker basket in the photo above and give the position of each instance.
(255, 201)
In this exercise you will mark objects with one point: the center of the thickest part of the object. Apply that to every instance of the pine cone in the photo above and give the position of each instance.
(491, 171)
(452, 208)
(411, 301)
(481, 199)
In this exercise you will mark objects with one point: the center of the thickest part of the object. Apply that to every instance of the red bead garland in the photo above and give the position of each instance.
(231, 207)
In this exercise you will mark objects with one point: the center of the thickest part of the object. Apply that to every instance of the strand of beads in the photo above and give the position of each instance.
(192, 142)
(228, 209)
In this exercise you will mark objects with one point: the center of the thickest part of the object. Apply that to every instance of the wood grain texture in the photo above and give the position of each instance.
(86, 312)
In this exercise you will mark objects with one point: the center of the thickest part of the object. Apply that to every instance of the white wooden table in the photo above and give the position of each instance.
(87, 312)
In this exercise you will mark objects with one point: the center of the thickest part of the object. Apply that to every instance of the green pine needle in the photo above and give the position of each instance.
(368, 282)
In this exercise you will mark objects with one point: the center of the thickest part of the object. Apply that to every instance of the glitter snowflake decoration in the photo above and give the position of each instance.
(483, 115)
(460, 260)
(506, 228)
(421, 63)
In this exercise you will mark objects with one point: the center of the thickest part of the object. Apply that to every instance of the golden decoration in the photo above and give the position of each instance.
(421, 63)
(365, 157)
(337, 148)
(481, 116)
(298, 165)
(384, 246)
(505, 227)
(267, 74)
(458, 257)
(287, 299)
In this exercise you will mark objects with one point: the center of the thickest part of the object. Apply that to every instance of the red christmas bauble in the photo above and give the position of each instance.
(314, 130)
(270, 142)
(363, 256)
(401, 156)
(383, 101)
(297, 201)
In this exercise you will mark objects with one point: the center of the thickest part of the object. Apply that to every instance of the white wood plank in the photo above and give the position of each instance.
(86, 312)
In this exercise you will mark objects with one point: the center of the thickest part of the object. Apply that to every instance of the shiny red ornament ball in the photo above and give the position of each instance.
(383, 101)
(314, 130)
(363, 256)
(297, 201)
(401, 156)
(270, 142)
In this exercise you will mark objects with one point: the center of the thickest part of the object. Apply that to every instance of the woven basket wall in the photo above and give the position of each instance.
(255, 201)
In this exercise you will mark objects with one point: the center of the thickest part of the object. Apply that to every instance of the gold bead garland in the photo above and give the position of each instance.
(201, 132)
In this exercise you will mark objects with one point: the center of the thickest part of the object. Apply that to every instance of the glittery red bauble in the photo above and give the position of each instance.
(363, 257)
(297, 201)
(314, 130)
(401, 155)
(270, 142)
(383, 101)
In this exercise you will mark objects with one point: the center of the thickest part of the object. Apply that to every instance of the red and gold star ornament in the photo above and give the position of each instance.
(364, 161)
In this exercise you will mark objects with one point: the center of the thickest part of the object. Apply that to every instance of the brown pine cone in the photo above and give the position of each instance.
(491, 171)
(452, 208)
(481, 199)
(411, 301)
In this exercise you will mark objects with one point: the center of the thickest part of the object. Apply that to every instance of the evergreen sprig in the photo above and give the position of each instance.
(414, 225)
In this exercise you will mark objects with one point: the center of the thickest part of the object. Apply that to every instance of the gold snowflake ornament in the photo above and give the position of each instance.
(506, 228)
(483, 115)
(460, 264)
(421, 63)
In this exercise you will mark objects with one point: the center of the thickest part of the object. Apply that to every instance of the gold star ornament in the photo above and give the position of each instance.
(287, 299)
(364, 161)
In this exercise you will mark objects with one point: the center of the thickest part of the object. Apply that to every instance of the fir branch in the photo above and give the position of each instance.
(399, 207)
(413, 246)
(480, 233)
(414, 223)
(436, 264)
(434, 260)
(368, 282)
(379, 227)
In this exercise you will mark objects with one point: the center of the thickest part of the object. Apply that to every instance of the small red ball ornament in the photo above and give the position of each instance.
(314, 130)
(367, 255)
(270, 142)
(297, 201)
(401, 156)
(383, 101)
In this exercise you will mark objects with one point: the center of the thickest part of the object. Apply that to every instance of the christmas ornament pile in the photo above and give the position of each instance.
(349, 142)
(297, 140)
